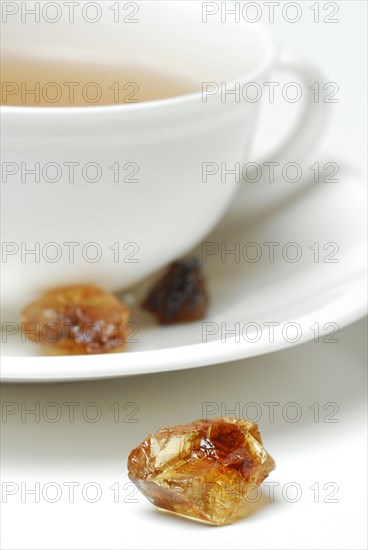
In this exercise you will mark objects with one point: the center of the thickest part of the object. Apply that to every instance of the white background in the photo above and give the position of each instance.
(306, 452)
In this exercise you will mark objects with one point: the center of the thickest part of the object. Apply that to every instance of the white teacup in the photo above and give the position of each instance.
(115, 233)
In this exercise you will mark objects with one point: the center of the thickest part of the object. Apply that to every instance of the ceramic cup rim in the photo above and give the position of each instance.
(156, 104)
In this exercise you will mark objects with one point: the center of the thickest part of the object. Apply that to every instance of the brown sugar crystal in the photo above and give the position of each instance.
(77, 320)
(180, 295)
(203, 469)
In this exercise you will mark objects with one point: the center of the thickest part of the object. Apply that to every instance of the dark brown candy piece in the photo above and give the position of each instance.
(180, 295)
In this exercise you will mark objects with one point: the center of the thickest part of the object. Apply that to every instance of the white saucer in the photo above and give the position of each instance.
(307, 293)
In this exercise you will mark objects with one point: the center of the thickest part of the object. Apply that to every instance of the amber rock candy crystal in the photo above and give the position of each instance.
(203, 469)
(79, 319)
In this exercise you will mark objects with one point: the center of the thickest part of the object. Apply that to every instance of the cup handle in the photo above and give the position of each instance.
(307, 132)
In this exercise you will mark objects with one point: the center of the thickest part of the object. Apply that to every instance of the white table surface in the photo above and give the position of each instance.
(307, 453)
